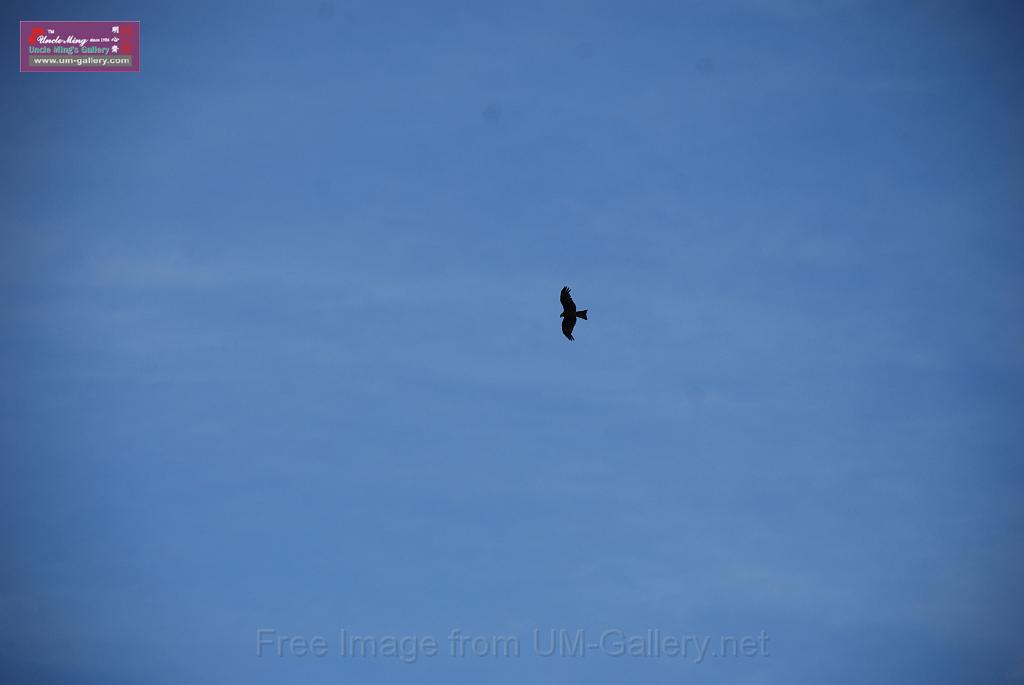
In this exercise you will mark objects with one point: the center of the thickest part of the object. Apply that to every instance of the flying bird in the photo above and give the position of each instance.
(569, 313)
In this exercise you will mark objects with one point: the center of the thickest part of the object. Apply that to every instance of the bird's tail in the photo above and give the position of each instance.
(582, 314)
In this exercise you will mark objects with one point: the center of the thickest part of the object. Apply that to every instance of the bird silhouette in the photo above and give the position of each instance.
(569, 313)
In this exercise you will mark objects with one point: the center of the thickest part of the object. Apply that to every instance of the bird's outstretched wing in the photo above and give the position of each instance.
(568, 306)
(568, 323)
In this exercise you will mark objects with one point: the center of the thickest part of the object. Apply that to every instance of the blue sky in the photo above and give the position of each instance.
(280, 342)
